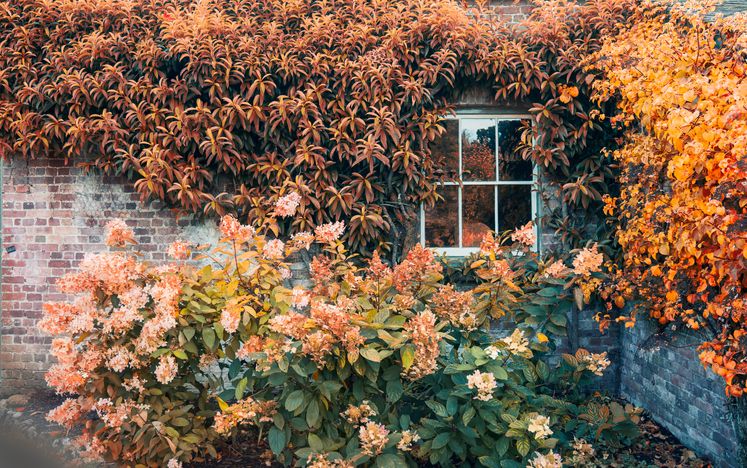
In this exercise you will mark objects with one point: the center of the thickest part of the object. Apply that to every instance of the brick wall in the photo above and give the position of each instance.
(663, 375)
(52, 215)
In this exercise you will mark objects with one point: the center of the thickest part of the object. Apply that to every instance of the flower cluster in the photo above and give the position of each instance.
(328, 233)
(549, 460)
(245, 411)
(373, 438)
(484, 383)
(588, 261)
(516, 342)
(557, 269)
(408, 438)
(525, 235)
(583, 451)
(274, 249)
(596, 362)
(414, 269)
(455, 306)
(118, 234)
(539, 425)
(422, 332)
(231, 229)
(178, 250)
(166, 369)
(359, 414)
(287, 205)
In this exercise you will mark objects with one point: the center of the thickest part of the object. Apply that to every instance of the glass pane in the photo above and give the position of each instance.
(478, 211)
(514, 206)
(441, 221)
(511, 165)
(445, 149)
(478, 149)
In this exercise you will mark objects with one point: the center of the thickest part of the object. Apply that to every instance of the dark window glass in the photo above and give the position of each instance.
(510, 163)
(514, 206)
(445, 149)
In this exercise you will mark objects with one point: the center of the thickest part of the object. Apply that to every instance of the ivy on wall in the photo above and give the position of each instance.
(225, 106)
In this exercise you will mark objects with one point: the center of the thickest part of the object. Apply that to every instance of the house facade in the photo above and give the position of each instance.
(53, 214)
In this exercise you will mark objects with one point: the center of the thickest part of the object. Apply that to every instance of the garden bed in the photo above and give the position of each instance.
(26, 423)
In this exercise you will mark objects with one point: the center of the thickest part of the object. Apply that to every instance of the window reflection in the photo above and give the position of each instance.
(511, 165)
(478, 214)
(442, 221)
(478, 149)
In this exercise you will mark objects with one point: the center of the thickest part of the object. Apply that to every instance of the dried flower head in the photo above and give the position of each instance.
(596, 362)
(359, 414)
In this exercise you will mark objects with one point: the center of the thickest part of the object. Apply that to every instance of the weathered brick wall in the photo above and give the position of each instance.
(52, 216)
(664, 376)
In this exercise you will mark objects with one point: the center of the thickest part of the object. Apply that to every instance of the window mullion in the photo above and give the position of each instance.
(495, 208)
(459, 190)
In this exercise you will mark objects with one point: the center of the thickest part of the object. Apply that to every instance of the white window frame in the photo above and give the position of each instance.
(466, 251)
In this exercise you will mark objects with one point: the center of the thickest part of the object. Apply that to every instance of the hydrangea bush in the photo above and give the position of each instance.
(368, 365)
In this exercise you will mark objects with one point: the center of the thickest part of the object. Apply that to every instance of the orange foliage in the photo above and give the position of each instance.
(226, 106)
(683, 202)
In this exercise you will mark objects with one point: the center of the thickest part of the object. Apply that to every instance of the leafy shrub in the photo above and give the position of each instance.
(370, 364)
(216, 105)
(682, 210)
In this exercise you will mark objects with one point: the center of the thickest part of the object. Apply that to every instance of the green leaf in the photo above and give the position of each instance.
(276, 439)
(407, 353)
(370, 354)
(390, 460)
(502, 446)
(241, 388)
(208, 337)
(441, 440)
(468, 415)
(180, 354)
(437, 408)
(452, 405)
(522, 446)
(294, 400)
(316, 444)
(312, 413)
(394, 391)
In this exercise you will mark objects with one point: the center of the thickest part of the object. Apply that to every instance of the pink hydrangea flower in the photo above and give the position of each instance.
(330, 232)
(287, 205)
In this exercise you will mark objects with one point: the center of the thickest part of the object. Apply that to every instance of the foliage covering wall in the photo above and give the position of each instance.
(212, 106)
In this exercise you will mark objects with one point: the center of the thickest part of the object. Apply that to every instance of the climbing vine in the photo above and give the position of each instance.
(226, 106)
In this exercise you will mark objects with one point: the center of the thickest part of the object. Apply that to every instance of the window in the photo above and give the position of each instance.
(494, 188)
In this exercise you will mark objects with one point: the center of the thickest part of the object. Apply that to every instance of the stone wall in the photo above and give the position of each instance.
(663, 375)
